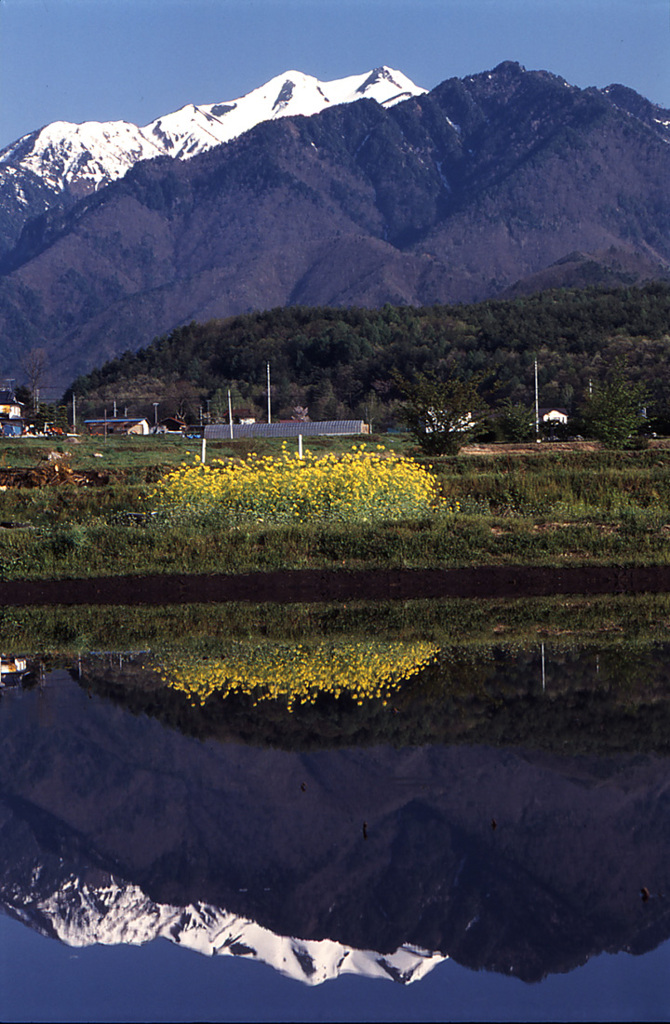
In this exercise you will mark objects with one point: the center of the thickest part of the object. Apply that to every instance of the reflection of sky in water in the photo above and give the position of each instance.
(44, 980)
(520, 863)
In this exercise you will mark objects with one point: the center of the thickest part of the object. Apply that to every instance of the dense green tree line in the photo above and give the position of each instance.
(342, 362)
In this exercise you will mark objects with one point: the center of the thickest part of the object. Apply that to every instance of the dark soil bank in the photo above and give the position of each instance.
(310, 586)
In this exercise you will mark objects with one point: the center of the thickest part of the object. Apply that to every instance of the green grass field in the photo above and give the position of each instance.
(552, 507)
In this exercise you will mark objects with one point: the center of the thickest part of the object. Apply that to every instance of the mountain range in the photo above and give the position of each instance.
(72, 160)
(500, 183)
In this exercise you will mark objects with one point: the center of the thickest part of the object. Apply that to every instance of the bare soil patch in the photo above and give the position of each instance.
(315, 586)
(549, 447)
(50, 474)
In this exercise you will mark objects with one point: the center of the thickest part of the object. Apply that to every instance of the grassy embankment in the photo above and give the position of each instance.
(549, 507)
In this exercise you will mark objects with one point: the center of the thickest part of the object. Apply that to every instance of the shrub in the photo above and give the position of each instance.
(357, 487)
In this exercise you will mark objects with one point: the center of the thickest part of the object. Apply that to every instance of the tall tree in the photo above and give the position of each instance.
(440, 414)
(34, 365)
(615, 410)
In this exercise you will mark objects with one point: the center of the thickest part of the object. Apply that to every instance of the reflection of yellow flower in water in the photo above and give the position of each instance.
(299, 673)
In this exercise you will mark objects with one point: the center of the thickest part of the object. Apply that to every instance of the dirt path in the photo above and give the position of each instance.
(548, 448)
(310, 586)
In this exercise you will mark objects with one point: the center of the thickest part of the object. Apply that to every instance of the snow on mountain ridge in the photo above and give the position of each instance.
(91, 154)
(84, 157)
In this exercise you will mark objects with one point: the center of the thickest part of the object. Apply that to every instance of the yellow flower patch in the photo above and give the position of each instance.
(357, 487)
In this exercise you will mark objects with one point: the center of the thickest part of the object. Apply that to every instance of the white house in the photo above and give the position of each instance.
(9, 408)
(553, 414)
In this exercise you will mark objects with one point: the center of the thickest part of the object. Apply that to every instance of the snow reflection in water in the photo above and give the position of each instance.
(372, 860)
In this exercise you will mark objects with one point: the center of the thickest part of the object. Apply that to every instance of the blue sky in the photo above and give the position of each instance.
(79, 60)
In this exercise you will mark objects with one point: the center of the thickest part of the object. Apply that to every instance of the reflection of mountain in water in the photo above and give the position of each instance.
(373, 849)
(580, 700)
(81, 914)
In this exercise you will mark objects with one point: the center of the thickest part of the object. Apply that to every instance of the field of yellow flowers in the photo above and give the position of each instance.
(358, 487)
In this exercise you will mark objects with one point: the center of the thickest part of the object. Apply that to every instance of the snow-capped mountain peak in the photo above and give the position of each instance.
(84, 155)
(81, 158)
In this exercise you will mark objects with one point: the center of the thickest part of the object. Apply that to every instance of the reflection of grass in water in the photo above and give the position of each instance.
(472, 691)
(460, 695)
(594, 703)
(299, 673)
(202, 629)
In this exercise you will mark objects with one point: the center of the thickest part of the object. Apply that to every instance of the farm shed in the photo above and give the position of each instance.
(289, 428)
(12, 423)
(117, 426)
(12, 428)
(172, 425)
(12, 669)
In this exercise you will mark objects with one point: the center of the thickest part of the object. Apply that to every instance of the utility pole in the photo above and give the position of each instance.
(74, 415)
(230, 414)
(269, 403)
(155, 405)
(537, 406)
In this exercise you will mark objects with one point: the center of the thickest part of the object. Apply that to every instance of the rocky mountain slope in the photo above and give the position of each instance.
(506, 180)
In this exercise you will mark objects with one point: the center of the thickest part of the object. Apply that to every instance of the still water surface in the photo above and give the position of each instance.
(148, 874)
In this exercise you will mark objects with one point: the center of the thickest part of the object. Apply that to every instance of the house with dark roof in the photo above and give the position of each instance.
(104, 427)
(11, 414)
(172, 425)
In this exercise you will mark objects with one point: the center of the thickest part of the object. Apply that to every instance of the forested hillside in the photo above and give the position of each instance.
(340, 362)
